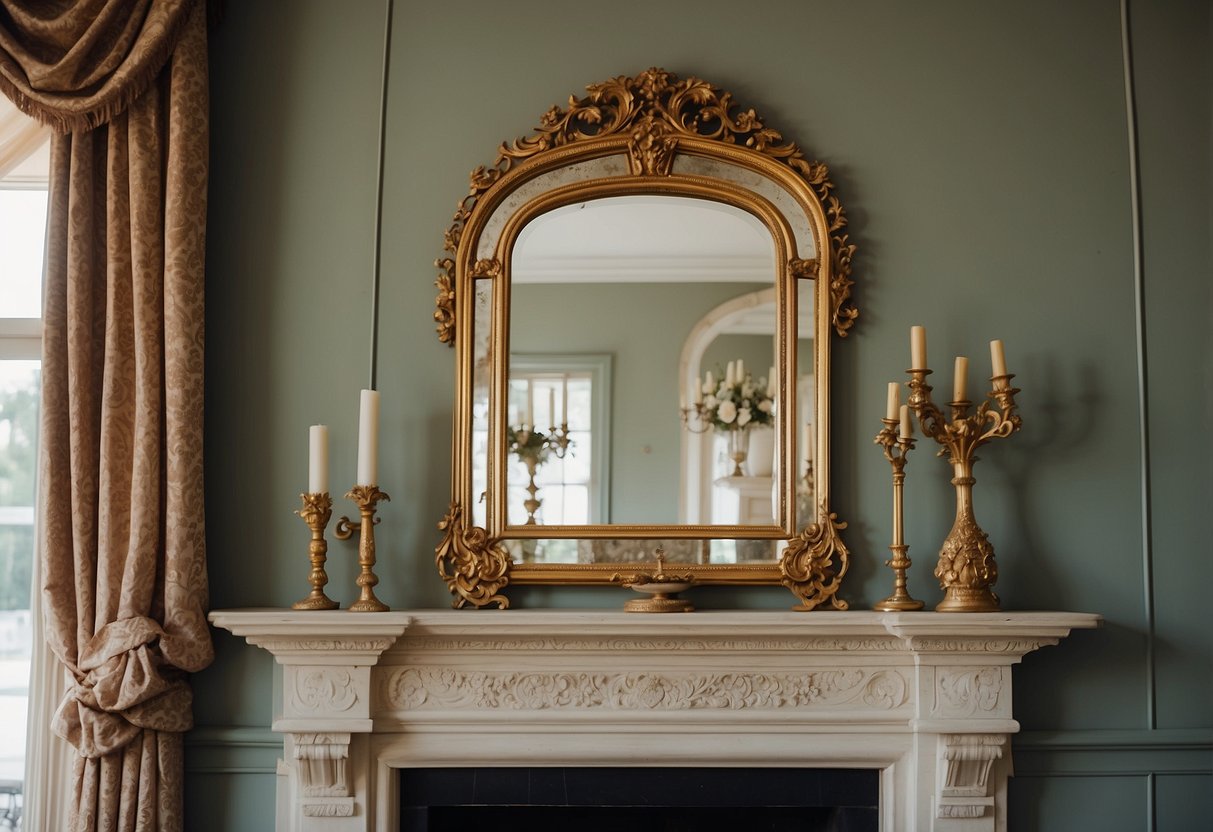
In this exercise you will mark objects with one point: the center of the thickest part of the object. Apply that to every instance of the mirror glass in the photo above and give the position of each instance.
(642, 338)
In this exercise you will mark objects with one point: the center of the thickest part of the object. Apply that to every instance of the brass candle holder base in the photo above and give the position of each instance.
(966, 568)
(366, 496)
(896, 450)
(900, 600)
(663, 599)
(662, 588)
(316, 511)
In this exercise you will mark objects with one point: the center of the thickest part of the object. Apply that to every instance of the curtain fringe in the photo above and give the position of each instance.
(67, 121)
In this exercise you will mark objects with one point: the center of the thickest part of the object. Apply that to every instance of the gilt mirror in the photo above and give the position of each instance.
(641, 297)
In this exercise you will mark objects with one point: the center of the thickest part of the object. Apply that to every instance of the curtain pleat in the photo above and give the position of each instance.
(120, 479)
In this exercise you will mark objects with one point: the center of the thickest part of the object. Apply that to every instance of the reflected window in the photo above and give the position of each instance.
(556, 440)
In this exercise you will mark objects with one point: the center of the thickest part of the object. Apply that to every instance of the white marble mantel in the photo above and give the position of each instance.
(924, 697)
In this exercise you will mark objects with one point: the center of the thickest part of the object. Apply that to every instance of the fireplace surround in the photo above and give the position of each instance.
(924, 698)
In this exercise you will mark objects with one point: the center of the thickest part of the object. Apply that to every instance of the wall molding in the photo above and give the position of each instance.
(232, 749)
(1113, 753)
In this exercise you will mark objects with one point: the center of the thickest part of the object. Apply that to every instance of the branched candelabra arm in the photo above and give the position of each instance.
(1004, 421)
(930, 419)
(895, 449)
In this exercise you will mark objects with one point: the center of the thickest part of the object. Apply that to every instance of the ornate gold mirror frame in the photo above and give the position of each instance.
(651, 134)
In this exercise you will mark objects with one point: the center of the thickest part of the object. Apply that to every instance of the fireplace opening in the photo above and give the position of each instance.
(640, 799)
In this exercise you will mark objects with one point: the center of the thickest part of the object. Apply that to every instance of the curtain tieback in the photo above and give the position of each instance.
(122, 686)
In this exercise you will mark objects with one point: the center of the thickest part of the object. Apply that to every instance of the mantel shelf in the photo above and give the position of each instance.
(923, 696)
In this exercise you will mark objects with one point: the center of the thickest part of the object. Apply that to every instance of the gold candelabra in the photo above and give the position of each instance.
(533, 448)
(966, 569)
(366, 496)
(316, 511)
(896, 450)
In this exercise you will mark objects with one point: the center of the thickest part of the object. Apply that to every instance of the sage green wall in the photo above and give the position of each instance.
(981, 151)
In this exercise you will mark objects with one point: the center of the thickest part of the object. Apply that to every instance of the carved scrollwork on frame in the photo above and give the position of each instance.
(802, 268)
(815, 562)
(654, 109)
(475, 568)
(663, 142)
(444, 314)
(651, 148)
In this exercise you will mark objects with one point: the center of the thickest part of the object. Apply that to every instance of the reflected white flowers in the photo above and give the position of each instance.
(727, 412)
(766, 405)
(743, 417)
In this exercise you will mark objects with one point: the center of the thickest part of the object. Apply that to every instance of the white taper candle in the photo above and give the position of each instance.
(918, 348)
(318, 459)
(960, 379)
(894, 400)
(368, 438)
(998, 358)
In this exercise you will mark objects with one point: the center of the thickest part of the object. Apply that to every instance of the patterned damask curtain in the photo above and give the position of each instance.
(123, 564)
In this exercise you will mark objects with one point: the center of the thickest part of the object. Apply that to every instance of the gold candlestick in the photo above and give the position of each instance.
(896, 448)
(316, 511)
(366, 496)
(966, 568)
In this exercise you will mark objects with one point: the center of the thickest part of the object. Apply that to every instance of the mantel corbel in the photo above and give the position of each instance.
(326, 659)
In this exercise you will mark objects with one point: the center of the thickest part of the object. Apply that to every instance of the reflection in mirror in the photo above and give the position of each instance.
(806, 491)
(614, 550)
(482, 373)
(742, 327)
(557, 439)
(629, 278)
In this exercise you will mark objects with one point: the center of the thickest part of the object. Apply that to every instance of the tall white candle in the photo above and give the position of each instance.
(368, 438)
(318, 459)
(906, 429)
(552, 407)
(998, 358)
(740, 371)
(730, 374)
(530, 406)
(806, 441)
(772, 384)
(699, 393)
(918, 348)
(564, 403)
(960, 387)
(709, 383)
(890, 412)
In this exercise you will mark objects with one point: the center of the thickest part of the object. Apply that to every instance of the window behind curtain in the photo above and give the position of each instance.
(23, 199)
